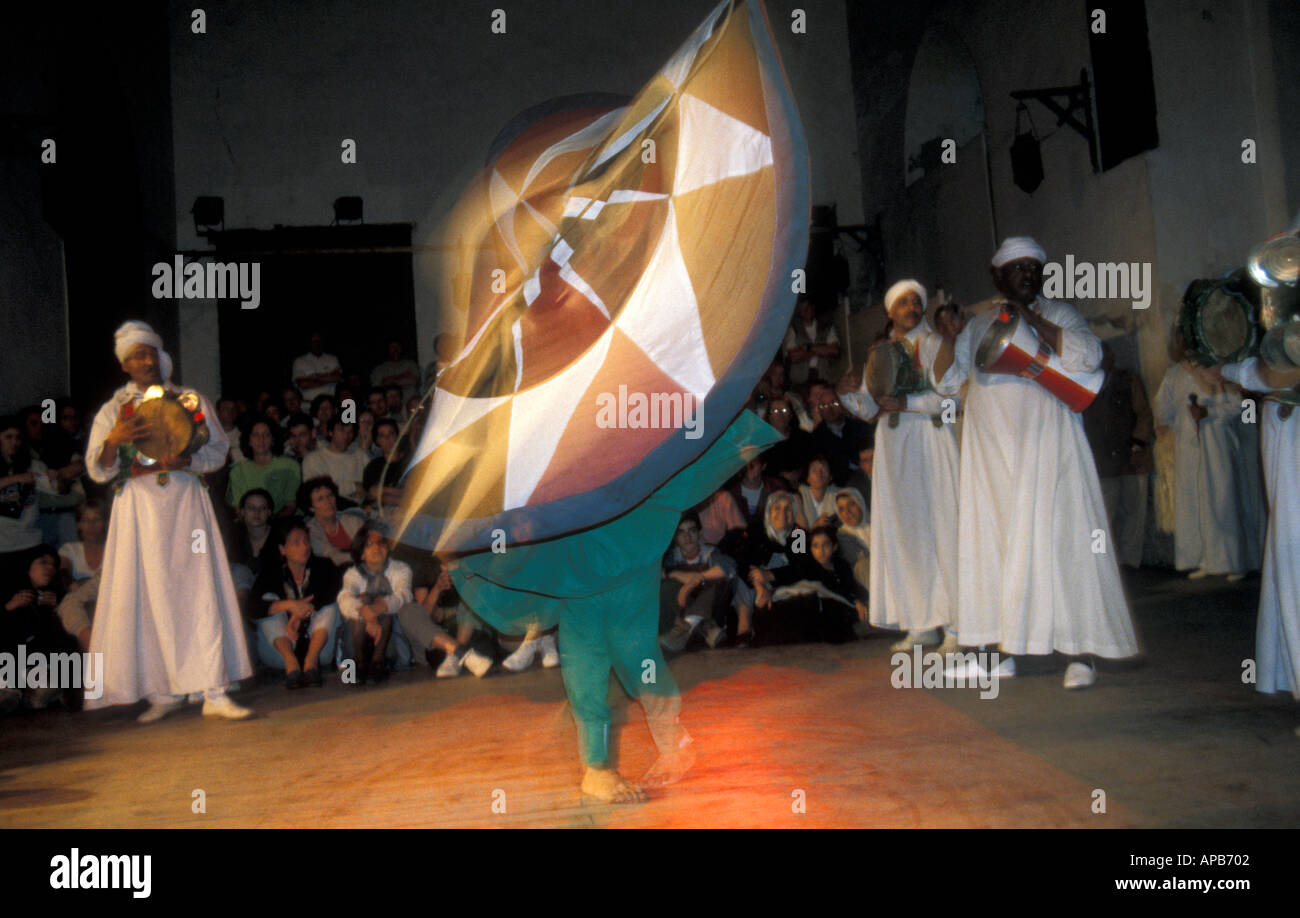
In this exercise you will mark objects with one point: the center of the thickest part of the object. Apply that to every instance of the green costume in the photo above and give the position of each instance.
(602, 587)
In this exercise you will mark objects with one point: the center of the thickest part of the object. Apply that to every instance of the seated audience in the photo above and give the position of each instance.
(816, 598)
(331, 532)
(817, 496)
(374, 589)
(837, 436)
(337, 462)
(293, 606)
(425, 623)
(81, 559)
(279, 476)
(854, 534)
(323, 407)
(251, 547)
(29, 621)
(790, 457)
(302, 436)
(695, 591)
(22, 475)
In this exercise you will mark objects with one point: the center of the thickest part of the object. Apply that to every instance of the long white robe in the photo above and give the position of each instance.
(1215, 526)
(1277, 635)
(1030, 510)
(167, 620)
(914, 509)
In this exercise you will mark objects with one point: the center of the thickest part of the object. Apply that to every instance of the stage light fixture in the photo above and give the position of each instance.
(347, 209)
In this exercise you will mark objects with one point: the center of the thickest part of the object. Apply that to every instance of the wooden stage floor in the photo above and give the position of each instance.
(1172, 741)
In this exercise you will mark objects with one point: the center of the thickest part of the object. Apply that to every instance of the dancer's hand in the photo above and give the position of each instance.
(862, 610)
(375, 631)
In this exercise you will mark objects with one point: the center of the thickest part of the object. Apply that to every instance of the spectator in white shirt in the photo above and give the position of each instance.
(337, 462)
(316, 372)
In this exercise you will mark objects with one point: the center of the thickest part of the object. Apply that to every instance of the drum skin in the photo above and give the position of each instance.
(1218, 323)
(177, 427)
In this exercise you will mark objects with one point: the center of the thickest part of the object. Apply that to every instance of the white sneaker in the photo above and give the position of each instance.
(159, 711)
(194, 697)
(1198, 574)
(550, 653)
(222, 706)
(949, 644)
(959, 667)
(477, 663)
(912, 638)
(450, 668)
(1079, 675)
(523, 656)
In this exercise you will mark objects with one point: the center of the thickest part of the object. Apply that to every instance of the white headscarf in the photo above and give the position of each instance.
(902, 287)
(778, 536)
(133, 333)
(1016, 247)
(861, 532)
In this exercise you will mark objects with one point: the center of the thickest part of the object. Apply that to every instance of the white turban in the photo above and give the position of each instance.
(902, 287)
(1016, 247)
(131, 334)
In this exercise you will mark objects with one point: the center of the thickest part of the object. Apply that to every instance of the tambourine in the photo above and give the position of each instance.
(891, 371)
(1217, 323)
(177, 426)
(1011, 346)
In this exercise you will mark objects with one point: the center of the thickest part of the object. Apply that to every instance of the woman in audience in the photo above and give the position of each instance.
(278, 475)
(251, 547)
(777, 547)
(817, 495)
(816, 598)
(331, 532)
(80, 560)
(854, 534)
(293, 606)
(29, 621)
(374, 589)
(365, 441)
(322, 409)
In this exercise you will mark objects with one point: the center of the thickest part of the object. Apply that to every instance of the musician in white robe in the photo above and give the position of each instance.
(1277, 635)
(1036, 572)
(914, 492)
(166, 619)
(1216, 530)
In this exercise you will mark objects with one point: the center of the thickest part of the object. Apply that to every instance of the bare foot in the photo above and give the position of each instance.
(671, 767)
(608, 785)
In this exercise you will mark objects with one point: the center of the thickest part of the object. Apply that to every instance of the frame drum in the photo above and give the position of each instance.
(1217, 323)
(176, 425)
(891, 371)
